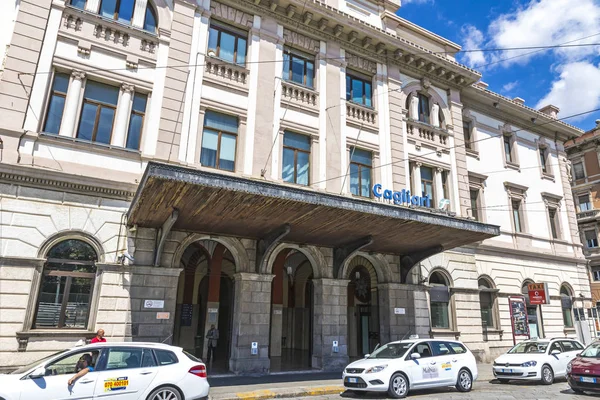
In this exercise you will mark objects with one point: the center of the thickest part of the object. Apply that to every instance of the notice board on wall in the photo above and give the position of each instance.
(518, 317)
(187, 312)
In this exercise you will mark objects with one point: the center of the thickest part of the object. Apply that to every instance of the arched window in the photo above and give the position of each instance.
(122, 11)
(439, 301)
(486, 302)
(67, 284)
(567, 305)
(150, 19)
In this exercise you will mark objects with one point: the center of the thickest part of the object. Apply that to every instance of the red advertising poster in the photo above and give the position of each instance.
(538, 293)
(518, 317)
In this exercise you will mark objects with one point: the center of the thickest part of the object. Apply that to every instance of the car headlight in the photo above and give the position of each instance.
(375, 369)
(529, 364)
(569, 367)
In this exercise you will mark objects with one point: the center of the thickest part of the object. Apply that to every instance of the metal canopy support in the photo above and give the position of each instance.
(266, 244)
(408, 261)
(162, 234)
(342, 253)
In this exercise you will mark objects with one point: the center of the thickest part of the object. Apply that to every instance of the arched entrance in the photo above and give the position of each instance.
(363, 308)
(205, 298)
(291, 312)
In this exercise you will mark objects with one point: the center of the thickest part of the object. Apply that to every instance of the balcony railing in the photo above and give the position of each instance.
(223, 72)
(298, 95)
(360, 114)
(587, 215)
(427, 133)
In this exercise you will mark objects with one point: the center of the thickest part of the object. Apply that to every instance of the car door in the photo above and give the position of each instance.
(444, 357)
(126, 373)
(55, 384)
(425, 370)
(557, 361)
(571, 348)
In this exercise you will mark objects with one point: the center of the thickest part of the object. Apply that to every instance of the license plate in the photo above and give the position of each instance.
(588, 380)
(507, 370)
(352, 380)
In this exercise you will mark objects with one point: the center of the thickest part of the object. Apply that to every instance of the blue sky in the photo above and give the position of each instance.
(567, 77)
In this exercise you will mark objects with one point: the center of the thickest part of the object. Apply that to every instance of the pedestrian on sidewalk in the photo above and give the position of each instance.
(212, 336)
(99, 338)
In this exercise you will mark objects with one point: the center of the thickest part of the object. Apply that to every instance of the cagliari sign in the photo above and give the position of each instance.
(401, 197)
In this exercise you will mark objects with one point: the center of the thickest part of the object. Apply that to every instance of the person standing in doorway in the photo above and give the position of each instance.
(99, 338)
(212, 336)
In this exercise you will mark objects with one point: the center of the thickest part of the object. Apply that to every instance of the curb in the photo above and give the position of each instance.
(281, 393)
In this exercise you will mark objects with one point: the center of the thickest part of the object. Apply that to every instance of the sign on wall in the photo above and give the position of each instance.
(187, 312)
(163, 315)
(154, 303)
(518, 317)
(538, 293)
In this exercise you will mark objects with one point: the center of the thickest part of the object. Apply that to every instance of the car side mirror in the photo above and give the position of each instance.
(38, 373)
(414, 356)
(367, 355)
(554, 352)
(578, 355)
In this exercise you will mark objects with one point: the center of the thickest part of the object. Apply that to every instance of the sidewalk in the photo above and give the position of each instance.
(292, 385)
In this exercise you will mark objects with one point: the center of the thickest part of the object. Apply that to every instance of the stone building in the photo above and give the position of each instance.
(311, 177)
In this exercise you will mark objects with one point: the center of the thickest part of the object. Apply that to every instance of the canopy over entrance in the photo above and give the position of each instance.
(215, 203)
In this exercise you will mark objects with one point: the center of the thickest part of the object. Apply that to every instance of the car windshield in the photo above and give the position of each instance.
(34, 364)
(529, 347)
(391, 350)
(592, 351)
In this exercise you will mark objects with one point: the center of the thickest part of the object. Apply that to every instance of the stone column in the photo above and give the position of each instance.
(439, 187)
(330, 323)
(416, 190)
(251, 323)
(119, 136)
(139, 13)
(67, 126)
(396, 297)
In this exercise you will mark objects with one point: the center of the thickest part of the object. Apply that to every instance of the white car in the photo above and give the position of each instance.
(537, 359)
(128, 370)
(399, 367)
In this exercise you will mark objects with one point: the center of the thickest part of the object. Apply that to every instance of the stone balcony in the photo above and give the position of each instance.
(587, 216)
(361, 115)
(299, 96)
(423, 133)
(224, 73)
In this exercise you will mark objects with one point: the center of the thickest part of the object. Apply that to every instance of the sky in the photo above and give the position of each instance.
(567, 77)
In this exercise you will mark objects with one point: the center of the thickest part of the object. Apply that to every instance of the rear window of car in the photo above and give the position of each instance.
(165, 357)
(192, 357)
(457, 347)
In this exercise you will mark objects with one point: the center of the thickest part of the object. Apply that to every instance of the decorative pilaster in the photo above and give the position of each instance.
(439, 186)
(67, 126)
(417, 179)
(119, 135)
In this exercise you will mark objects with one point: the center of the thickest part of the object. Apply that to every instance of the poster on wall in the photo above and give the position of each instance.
(518, 317)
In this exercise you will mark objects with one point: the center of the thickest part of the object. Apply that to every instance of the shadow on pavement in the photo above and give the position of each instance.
(234, 380)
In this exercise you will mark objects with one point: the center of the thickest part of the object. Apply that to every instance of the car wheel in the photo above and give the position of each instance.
(165, 393)
(398, 386)
(547, 375)
(464, 383)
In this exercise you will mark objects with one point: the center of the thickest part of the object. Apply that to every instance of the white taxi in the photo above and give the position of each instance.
(399, 367)
(537, 359)
(127, 370)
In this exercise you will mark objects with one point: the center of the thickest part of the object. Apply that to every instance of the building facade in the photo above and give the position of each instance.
(313, 178)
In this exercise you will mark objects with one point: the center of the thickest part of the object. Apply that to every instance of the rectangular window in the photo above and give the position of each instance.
(298, 67)
(56, 103)
(591, 239)
(553, 215)
(227, 43)
(487, 309)
(296, 158)
(440, 317)
(424, 108)
(475, 203)
(544, 159)
(578, 169)
(359, 90)
(427, 182)
(219, 141)
(360, 172)
(584, 203)
(467, 132)
(78, 4)
(98, 112)
(516, 212)
(508, 149)
(121, 10)
(136, 121)
(596, 277)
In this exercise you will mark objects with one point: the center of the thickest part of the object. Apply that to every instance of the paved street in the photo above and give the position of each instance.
(486, 389)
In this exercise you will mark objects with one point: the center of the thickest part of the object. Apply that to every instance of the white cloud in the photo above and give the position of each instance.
(473, 38)
(547, 22)
(509, 86)
(576, 90)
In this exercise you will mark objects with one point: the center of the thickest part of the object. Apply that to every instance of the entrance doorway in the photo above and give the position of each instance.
(205, 297)
(291, 312)
(534, 315)
(363, 308)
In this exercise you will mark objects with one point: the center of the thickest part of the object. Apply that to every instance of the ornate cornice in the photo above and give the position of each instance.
(301, 41)
(228, 13)
(361, 63)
